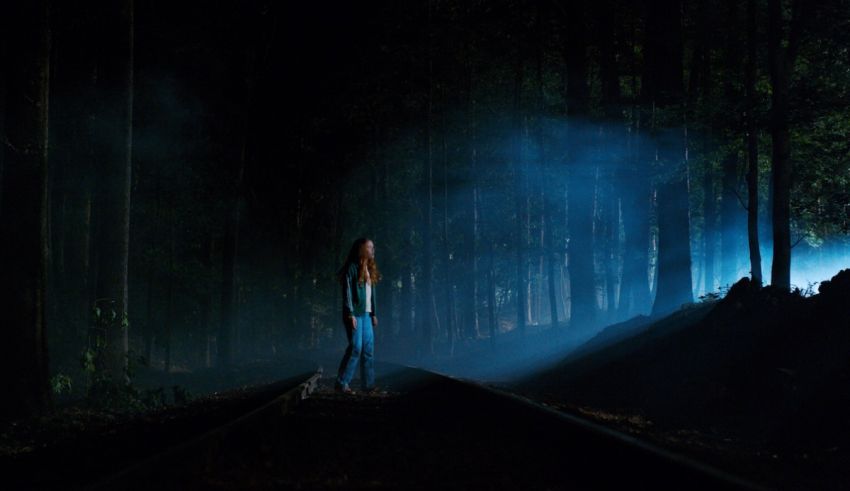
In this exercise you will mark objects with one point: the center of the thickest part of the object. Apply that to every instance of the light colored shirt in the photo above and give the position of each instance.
(368, 292)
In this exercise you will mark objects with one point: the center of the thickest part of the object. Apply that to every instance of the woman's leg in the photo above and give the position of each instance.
(367, 370)
(348, 365)
(345, 357)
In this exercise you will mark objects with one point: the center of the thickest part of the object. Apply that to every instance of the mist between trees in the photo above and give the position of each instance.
(519, 165)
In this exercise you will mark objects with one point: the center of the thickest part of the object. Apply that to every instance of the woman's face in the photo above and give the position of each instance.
(369, 249)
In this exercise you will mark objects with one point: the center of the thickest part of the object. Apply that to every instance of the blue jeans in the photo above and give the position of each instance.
(361, 342)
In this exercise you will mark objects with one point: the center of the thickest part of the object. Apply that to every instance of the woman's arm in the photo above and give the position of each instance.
(374, 317)
(347, 303)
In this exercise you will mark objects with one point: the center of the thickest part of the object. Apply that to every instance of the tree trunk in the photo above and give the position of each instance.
(72, 140)
(337, 238)
(230, 245)
(581, 180)
(700, 93)
(732, 224)
(491, 295)
(550, 267)
(730, 236)
(474, 329)
(613, 178)
(447, 267)
(150, 318)
(409, 309)
(610, 221)
(427, 301)
(547, 226)
(781, 61)
(115, 90)
(674, 261)
(57, 199)
(23, 210)
(169, 320)
(77, 258)
(634, 293)
(519, 197)
(4, 42)
(663, 90)
(751, 143)
(207, 248)
(388, 301)
(709, 226)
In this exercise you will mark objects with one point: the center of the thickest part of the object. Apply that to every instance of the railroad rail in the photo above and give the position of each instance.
(424, 430)
(611, 459)
(201, 450)
(77, 455)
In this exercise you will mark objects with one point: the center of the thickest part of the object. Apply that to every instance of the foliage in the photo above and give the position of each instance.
(715, 295)
(60, 383)
(103, 391)
(343, 147)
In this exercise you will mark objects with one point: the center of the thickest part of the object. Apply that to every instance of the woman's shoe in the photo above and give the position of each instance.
(343, 389)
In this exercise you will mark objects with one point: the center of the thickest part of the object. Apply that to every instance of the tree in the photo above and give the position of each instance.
(547, 243)
(781, 62)
(730, 212)
(473, 234)
(520, 188)
(427, 305)
(253, 43)
(23, 210)
(662, 83)
(580, 176)
(114, 151)
(751, 144)
(635, 292)
(72, 140)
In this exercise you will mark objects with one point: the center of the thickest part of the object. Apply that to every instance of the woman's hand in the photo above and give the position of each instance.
(352, 321)
(374, 321)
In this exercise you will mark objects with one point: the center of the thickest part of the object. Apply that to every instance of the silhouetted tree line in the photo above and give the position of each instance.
(179, 183)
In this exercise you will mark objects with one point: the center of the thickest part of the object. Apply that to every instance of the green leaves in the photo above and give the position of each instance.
(102, 390)
(88, 360)
(60, 383)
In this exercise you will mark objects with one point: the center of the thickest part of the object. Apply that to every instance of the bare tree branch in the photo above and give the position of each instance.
(740, 199)
(800, 239)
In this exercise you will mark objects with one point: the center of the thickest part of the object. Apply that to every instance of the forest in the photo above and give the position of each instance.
(180, 183)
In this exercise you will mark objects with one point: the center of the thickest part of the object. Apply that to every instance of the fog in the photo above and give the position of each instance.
(487, 190)
(482, 188)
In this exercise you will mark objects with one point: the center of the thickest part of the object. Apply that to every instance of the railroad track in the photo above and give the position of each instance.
(425, 430)
(83, 449)
(200, 451)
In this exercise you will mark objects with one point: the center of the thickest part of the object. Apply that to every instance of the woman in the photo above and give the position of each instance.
(358, 277)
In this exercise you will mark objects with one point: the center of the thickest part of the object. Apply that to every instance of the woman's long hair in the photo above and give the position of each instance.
(357, 255)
